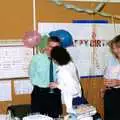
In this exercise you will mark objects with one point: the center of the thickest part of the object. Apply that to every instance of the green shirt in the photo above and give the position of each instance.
(39, 70)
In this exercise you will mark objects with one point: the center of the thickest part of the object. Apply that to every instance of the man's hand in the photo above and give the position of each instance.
(53, 85)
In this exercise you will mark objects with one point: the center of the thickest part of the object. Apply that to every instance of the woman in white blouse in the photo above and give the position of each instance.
(112, 82)
(67, 78)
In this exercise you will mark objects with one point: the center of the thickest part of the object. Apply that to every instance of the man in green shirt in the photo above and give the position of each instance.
(44, 101)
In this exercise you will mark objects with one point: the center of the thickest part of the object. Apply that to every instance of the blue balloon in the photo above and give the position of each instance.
(64, 36)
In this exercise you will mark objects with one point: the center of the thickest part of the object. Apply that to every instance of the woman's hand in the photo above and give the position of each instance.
(108, 84)
(103, 90)
(53, 85)
(111, 83)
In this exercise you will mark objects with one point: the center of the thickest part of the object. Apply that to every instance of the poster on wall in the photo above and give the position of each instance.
(14, 60)
(90, 53)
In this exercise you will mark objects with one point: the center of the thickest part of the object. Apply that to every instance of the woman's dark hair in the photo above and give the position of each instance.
(60, 55)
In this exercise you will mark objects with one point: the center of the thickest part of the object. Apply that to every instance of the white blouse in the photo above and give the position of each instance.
(112, 71)
(68, 82)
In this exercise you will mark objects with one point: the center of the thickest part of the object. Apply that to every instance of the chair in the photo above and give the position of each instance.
(19, 110)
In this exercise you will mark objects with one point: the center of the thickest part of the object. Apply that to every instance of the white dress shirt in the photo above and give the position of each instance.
(68, 82)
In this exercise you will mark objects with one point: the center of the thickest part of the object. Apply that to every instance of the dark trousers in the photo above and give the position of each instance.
(44, 102)
(112, 104)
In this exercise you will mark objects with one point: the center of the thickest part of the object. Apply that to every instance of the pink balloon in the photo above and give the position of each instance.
(31, 39)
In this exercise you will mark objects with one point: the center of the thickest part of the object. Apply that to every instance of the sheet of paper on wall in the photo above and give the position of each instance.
(5, 88)
(23, 87)
(4, 117)
(14, 60)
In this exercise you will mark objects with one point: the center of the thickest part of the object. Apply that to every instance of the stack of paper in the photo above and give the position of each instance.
(85, 111)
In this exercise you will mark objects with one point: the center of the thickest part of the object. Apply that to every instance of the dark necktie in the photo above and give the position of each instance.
(51, 71)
